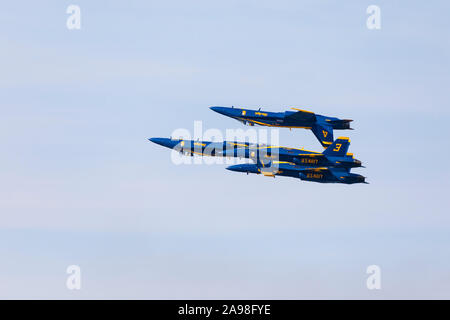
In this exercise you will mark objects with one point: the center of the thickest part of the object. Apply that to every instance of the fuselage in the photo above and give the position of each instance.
(235, 149)
(286, 169)
(259, 153)
(278, 119)
(321, 126)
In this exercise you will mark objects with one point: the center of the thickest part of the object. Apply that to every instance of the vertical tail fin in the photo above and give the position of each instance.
(323, 133)
(338, 148)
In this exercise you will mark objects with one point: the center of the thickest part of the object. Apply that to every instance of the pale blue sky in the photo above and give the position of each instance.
(80, 184)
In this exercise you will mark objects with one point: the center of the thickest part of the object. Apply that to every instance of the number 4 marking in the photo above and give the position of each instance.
(324, 133)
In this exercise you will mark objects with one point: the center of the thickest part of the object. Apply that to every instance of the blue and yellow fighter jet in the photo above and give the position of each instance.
(321, 126)
(333, 165)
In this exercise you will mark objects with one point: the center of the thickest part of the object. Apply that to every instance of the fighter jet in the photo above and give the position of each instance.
(321, 126)
(335, 155)
(332, 165)
(288, 169)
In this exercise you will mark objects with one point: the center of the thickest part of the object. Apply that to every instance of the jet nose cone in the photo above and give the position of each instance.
(166, 142)
(160, 141)
(236, 168)
(248, 168)
(221, 110)
(156, 140)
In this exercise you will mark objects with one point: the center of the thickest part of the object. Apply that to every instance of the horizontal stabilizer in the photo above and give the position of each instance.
(339, 172)
(349, 163)
(339, 124)
(339, 121)
(308, 169)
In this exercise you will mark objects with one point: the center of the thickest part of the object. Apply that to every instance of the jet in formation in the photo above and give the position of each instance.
(321, 126)
(333, 165)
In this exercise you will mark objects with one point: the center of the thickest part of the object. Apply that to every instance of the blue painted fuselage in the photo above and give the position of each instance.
(321, 126)
(263, 155)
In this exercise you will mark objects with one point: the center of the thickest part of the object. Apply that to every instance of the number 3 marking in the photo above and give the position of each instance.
(338, 147)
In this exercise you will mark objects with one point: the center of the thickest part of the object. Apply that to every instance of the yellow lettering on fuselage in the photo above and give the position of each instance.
(311, 161)
(260, 114)
(314, 175)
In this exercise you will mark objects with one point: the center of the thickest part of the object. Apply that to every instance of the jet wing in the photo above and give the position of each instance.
(309, 169)
(337, 172)
(334, 171)
(302, 115)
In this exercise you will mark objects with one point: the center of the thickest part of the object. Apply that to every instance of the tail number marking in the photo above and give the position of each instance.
(338, 147)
